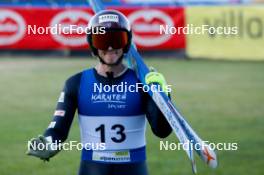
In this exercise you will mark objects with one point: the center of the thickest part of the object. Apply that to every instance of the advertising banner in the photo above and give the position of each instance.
(234, 32)
(66, 28)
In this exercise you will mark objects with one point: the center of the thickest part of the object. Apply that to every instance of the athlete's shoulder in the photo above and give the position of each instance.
(132, 73)
(72, 84)
(74, 79)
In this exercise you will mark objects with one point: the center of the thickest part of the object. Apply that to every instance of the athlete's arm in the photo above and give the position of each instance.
(58, 129)
(65, 110)
(159, 125)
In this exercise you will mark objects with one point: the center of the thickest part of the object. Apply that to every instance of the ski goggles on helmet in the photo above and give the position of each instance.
(115, 39)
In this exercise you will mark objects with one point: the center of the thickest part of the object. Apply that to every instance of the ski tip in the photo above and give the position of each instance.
(194, 169)
(209, 157)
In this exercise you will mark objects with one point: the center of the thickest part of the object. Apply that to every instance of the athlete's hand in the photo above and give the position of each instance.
(156, 77)
(42, 148)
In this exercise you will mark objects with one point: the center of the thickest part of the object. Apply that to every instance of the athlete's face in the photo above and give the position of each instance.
(111, 55)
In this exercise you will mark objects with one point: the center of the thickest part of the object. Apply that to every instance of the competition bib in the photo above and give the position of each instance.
(117, 132)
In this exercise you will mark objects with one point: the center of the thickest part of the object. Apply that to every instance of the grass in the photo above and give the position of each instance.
(223, 101)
